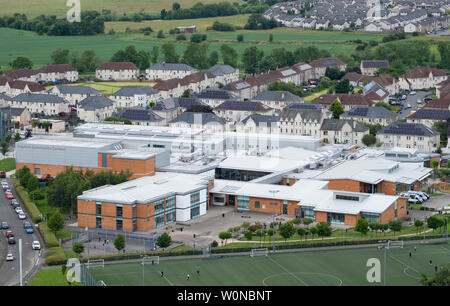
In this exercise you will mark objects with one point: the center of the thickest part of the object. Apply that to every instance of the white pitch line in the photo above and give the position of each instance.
(409, 267)
(170, 283)
(289, 272)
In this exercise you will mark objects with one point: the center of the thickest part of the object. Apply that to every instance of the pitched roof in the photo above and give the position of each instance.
(284, 96)
(244, 106)
(345, 99)
(187, 102)
(374, 63)
(236, 86)
(140, 114)
(261, 119)
(215, 93)
(166, 104)
(306, 114)
(5, 97)
(44, 98)
(300, 67)
(220, 70)
(56, 68)
(168, 84)
(20, 73)
(423, 72)
(95, 102)
(16, 111)
(303, 106)
(79, 90)
(326, 62)
(375, 91)
(131, 91)
(170, 66)
(413, 129)
(429, 113)
(369, 112)
(32, 86)
(117, 66)
(197, 118)
(338, 124)
(442, 103)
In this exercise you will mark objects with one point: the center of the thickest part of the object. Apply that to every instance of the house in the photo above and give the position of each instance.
(198, 120)
(214, 96)
(422, 77)
(141, 116)
(442, 103)
(20, 118)
(41, 126)
(409, 135)
(260, 124)
(74, 94)
(168, 109)
(41, 103)
(60, 72)
(224, 74)
(188, 29)
(277, 99)
(194, 83)
(375, 92)
(369, 67)
(443, 89)
(95, 109)
(320, 65)
(356, 79)
(14, 88)
(301, 121)
(242, 89)
(428, 116)
(236, 111)
(347, 101)
(166, 71)
(117, 71)
(171, 88)
(305, 72)
(370, 115)
(23, 74)
(132, 96)
(343, 131)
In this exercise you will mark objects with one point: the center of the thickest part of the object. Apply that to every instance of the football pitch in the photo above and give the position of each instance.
(344, 267)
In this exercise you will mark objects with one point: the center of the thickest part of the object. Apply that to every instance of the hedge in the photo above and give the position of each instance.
(55, 256)
(49, 237)
(31, 207)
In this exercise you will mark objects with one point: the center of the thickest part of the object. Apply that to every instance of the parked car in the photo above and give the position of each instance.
(422, 195)
(44, 177)
(412, 93)
(18, 210)
(28, 227)
(2, 174)
(9, 257)
(414, 201)
(9, 196)
(5, 225)
(408, 106)
(22, 216)
(419, 101)
(9, 234)
(5, 186)
(11, 240)
(14, 201)
(36, 245)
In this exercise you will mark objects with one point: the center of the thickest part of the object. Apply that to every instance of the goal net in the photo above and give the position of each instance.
(392, 244)
(101, 283)
(96, 263)
(259, 252)
(150, 260)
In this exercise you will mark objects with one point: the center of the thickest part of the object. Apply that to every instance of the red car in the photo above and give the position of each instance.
(9, 234)
(9, 196)
(44, 177)
(2, 174)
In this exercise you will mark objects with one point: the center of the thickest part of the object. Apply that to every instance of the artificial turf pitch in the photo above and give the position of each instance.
(345, 267)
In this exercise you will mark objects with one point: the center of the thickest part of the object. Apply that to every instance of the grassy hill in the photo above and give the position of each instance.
(34, 8)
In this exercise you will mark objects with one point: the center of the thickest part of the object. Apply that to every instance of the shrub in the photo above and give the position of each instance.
(55, 256)
(196, 38)
(181, 37)
(31, 207)
(49, 237)
(248, 235)
(214, 244)
(297, 221)
(37, 195)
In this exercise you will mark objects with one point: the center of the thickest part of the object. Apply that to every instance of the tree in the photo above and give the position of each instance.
(5, 147)
(307, 222)
(323, 229)
(248, 235)
(374, 227)
(213, 58)
(434, 222)
(60, 56)
(160, 34)
(251, 59)
(119, 243)
(224, 236)
(418, 224)
(240, 38)
(176, 6)
(55, 223)
(441, 127)
(22, 62)
(154, 54)
(87, 61)
(362, 226)
(301, 232)
(395, 226)
(313, 231)
(270, 37)
(336, 108)
(32, 183)
(195, 55)
(261, 233)
(344, 87)
(334, 73)
(229, 55)
(369, 140)
(287, 230)
(440, 278)
(170, 55)
(444, 51)
(164, 240)
(17, 137)
(78, 248)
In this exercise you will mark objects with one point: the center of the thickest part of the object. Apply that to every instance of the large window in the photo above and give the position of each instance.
(104, 160)
(98, 208)
(159, 220)
(371, 217)
(195, 212)
(159, 206)
(119, 211)
(346, 197)
(98, 222)
(170, 217)
(195, 197)
(335, 218)
(170, 203)
(119, 224)
(243, 203)
(308, 212)
(257, 204)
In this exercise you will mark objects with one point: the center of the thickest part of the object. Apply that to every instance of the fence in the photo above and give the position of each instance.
(104, 240)
(87, 279)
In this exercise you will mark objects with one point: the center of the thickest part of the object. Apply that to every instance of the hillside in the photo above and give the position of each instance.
(34, 8)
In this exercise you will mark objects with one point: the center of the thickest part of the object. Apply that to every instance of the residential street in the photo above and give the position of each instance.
(412, 99)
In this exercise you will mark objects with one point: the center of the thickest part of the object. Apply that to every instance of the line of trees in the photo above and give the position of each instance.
(86, 61)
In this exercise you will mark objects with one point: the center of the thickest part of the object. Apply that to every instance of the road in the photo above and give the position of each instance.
(412, 99)
(9, 271)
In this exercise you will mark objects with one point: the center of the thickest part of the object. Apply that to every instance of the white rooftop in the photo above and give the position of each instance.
(261, 163)
(66, 141)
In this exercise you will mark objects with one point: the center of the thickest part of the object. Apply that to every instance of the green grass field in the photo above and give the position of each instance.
(345, 267)
(34, 8)
(108, 88)
(50, 277)
(7, 164)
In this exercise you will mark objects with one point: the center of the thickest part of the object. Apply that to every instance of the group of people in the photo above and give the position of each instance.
(187, 275)
(430, 262)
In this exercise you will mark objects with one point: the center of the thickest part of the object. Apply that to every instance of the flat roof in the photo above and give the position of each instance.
(147, 189)
(66, 141)
(261, 163)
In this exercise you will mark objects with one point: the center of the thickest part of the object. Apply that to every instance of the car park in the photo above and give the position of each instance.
(36, 245)
(9, 257)
(22, 216)
(5, 225)
(11, 240)
(9, 234)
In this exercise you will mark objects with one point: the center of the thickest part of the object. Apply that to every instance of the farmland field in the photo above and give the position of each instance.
(34, 8)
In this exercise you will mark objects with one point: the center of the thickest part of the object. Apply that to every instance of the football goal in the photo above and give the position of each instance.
(259, 252)
(150, 260)
(393, 244)
(96, 263)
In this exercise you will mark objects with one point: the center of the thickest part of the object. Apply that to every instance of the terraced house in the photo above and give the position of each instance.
(132, 96)
(74, 94)
(370, 115)
(117, 71)
(301, 119)
(422, 77)
(166, 71)
(409, 135)
(41, 103)
(343, 131)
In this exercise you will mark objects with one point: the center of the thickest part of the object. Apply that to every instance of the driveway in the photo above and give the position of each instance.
(438, 202)
(412, 99)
